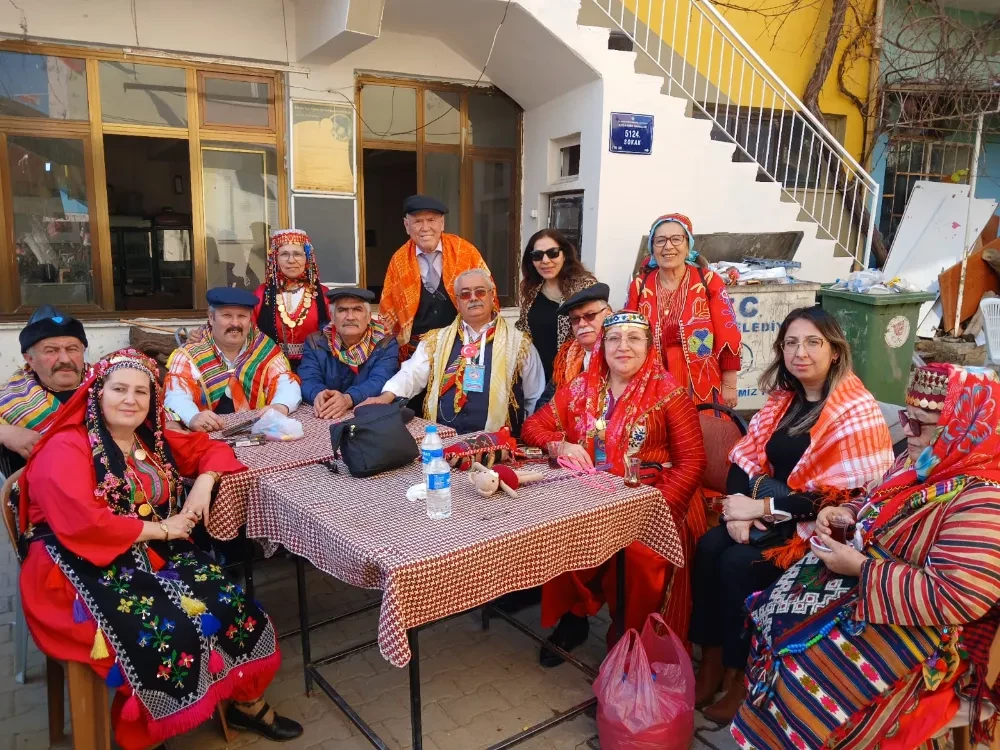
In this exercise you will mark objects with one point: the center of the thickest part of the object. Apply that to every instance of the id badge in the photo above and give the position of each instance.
(474, 378)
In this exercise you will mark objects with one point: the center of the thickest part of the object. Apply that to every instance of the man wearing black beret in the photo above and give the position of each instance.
(52, 345)
(349, 359)
(419, 289)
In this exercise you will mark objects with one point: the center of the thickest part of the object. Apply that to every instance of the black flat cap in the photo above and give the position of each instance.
(350, 291)
(423, 203)
(46, 323)
(598, 291)
(223, 296)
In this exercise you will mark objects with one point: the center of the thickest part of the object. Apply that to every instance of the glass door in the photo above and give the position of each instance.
(492, 212)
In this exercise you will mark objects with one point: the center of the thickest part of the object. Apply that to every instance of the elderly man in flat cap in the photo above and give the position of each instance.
(349, 359)
(52, 345)
(419, 291)
(586, 311)
(234, 368)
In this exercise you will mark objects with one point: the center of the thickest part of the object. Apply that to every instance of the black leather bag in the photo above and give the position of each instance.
(374, 440)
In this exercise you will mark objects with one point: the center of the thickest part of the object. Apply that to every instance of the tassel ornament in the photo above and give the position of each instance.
(210, 624)
(155, 561)
(215, 662)
(100, 648)
(54, 579)
(193, 607)
(79, 611)
(130, 711)
(115, 678)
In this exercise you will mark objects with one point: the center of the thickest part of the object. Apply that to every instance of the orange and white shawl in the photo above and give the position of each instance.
(849, 445)
(401, 293)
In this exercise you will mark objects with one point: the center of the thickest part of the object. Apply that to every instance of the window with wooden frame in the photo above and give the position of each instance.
(131, 183)
(457, 143)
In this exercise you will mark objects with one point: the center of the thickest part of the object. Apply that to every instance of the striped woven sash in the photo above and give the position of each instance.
(25, 403)
(246, 381)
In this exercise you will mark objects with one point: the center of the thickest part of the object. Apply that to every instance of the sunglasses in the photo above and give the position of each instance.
(911, 425)
(552, 253)
(479, 293)
(575, 320)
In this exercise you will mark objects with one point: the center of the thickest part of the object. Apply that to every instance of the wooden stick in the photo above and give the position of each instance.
(150, 326)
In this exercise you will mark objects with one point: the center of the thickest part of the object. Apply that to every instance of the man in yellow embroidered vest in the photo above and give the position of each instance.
(234, 368)
(480, 372)
(52, 345)
(586, 311)
(418, 293)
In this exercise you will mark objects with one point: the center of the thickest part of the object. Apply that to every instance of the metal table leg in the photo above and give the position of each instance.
(485, 615)
(620, 587)
(300, 575)
(416, 717)
(248, 553)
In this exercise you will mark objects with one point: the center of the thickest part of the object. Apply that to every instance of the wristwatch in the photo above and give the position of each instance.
(166, 531)
(768, 516)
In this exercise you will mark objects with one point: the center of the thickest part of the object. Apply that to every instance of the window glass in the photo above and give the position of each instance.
(491, 200)
(43, 86)
(442, 117)
(492, 121)
(238, 102)
(143, 94)
(389, 112)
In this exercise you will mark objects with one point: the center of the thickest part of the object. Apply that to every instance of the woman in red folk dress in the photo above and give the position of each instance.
(625, 405)
(111, 579)
(291, 303)
(694, 328)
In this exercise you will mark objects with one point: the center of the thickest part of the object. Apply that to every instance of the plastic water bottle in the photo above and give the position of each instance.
(430, 447)
(438, 488)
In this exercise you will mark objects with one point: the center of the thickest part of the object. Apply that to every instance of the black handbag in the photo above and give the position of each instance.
(374, 440)
(776, 534)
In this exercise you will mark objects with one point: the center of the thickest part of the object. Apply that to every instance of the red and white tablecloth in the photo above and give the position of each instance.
(229, 511)
(365, 532)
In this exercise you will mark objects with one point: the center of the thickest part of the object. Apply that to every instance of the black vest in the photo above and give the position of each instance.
(472, 418)
(435, 310)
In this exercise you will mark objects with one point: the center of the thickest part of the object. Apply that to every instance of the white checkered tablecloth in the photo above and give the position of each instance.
(229, 511)
(365, 532)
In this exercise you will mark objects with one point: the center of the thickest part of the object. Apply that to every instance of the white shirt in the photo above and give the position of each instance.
(424, 258)
(178, 401)
(586, 358)
(414, 374)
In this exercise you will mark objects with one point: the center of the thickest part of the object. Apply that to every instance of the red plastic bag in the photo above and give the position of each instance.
(645, 692)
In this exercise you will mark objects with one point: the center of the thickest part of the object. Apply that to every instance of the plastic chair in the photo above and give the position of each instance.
(721, 429)
(991, 326)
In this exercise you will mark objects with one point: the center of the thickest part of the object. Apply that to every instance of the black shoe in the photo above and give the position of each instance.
(571, 632)
(282, 729)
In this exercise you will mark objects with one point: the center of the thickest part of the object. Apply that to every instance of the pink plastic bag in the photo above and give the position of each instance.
(645, 692)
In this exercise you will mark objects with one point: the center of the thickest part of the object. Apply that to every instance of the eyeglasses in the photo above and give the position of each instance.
(552, 253)
(291, 256)
(812, 345)
(674, 239)
(479, 293)
(615, 340)
(575, 320)
(912, 427)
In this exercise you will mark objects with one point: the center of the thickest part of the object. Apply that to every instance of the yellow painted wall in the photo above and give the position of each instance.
(789, 42)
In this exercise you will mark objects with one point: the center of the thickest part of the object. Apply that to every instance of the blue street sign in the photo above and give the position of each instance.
(631, 134)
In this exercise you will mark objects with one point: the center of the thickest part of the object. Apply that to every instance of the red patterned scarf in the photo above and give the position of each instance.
(356, 355)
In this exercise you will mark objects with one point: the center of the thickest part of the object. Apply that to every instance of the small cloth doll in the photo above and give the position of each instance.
(487, 481)
(487, 448)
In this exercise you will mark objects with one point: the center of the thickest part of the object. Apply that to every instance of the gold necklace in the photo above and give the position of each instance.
(301, 313)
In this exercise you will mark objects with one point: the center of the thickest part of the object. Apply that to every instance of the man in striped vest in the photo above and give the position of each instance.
(52, 345)
(234, 368)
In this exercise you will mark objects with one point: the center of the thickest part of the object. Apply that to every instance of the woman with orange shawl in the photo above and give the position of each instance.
(290, 303)
(625, 405)
(820, 435)
(694, 328)
(884, 641)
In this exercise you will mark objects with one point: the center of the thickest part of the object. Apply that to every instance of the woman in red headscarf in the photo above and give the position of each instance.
(625, 405)
(111, 579)
(291, 303)
(885, 640)
(694, 328)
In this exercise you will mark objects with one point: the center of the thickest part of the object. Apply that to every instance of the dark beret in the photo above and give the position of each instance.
(423, 203)
(350, 291)
(596, 292)
(46, 323)
(222, 296)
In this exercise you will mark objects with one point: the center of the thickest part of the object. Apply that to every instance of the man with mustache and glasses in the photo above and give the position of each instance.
(418, 293)
(480, 372)
(52, 345)
(234, 368)
(586, 311)
(350, 358)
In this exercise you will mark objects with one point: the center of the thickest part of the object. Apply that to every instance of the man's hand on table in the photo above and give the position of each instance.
(205, 421)
(331, 404)
(386, 397)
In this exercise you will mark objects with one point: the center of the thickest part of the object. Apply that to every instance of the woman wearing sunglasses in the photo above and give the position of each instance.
(551, 273)
(884, 641)
(694, 327)
(820, 436)
(624, 406)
